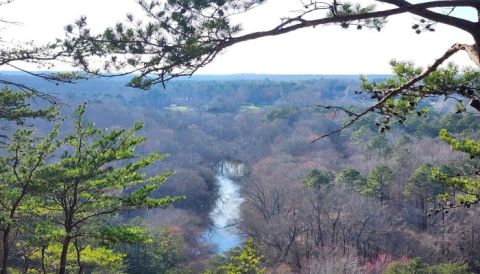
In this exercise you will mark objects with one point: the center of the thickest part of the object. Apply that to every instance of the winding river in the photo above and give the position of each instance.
(226, 212)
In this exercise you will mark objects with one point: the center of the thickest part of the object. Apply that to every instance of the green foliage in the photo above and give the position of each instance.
(351, 177)
(379, 144)
(348, 9)
(244, 260)
(14, 106)
(20, 168)
(449, 268)
(467, 182)
(423, 184)
(417, 267)
(360, 134)
(84, 186)
(378, 181)
(448, 81)
(283, 113)
(177, 36)
(102, 259)
(96, 259)
(317, 179)
(124, 234)
(73, 196)
(164, 253)
(468, 146)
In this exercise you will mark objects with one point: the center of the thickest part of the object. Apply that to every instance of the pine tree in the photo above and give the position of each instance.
(59, 196)
(351, 178)
(20, 179)
(378, 181)
(88, 185)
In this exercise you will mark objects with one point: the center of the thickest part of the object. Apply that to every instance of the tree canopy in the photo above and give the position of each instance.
(177, 38)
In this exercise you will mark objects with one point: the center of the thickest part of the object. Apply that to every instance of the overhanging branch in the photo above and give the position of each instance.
(442, 18)
(411, 8)
(396, 91)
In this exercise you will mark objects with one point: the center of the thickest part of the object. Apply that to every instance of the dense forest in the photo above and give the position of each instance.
(358, 201)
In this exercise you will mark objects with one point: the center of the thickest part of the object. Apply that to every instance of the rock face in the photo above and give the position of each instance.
(230, 169)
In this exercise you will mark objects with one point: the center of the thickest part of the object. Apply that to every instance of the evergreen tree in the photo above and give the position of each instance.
(241, 260)
(424, 186)
(60, 205)
(317, 179)
(379, 145)
(14, 107)
(378, 181)
(163, 253)
(350, 177)
(87, 186)
(464, 185)
(178, 37)
(20, 180)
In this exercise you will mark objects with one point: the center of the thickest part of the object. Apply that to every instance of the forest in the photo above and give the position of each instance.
(118, 154)
(359, 201)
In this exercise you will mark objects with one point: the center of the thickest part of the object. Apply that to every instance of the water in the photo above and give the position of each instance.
(230, 169)
(224, 234)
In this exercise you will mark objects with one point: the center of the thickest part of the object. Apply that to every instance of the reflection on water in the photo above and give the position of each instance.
(224, 235)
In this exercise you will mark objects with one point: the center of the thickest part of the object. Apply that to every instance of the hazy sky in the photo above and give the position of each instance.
(321, 50)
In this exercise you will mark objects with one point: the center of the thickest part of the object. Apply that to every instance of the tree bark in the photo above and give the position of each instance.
(5, 249)
(473, 52)
(44, 270)
(63, 257)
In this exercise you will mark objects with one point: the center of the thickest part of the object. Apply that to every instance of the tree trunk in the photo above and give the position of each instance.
(63, 257)
(44, 269)
(79, 262)
(473, 52)
(5, 249)
(1, 248)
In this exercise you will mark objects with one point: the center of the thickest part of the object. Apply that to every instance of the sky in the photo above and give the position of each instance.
(321, 50)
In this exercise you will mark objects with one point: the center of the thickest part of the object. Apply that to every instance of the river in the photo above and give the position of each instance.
(224, 234)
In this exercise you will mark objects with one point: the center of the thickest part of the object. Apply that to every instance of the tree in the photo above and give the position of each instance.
(317, 179)
(14, 107)
(57, 196)
(416, 266)
(424, 187)
(380, 145)
(350, 177)
(19, 180)
(179, 37)
(162, 253)
(85, 186)
(464, 185)
(240, 260)
(16, 98)
(378, 181)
